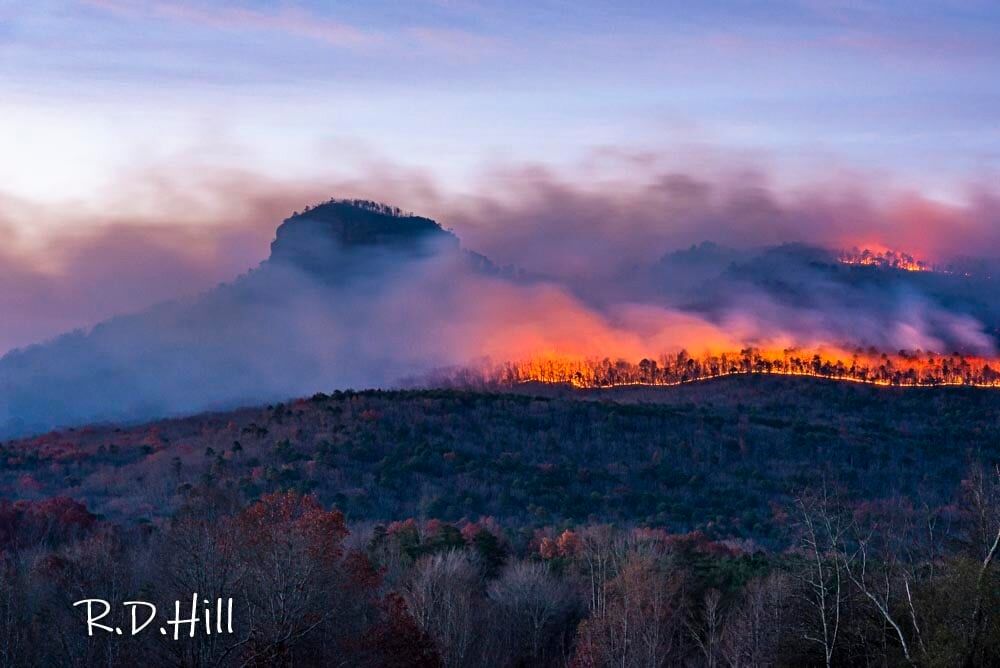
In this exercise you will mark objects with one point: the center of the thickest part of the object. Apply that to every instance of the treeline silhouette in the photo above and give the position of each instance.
(363, 204)
(892, 583)
(901, 369)
(889, 259)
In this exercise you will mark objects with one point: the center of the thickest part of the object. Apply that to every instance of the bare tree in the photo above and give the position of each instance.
(533, 603)
(441, 596)
(197, 555)
(756, 624)
(708, 634)
(822, 578)
(600, 554)
(878, 579)
(642, 619)
(984, 493)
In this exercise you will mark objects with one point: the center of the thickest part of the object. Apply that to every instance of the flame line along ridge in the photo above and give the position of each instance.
(887, 260)
(905, 369)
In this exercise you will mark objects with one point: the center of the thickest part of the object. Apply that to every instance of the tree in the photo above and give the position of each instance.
(983, 493)
(296, 580)
(534, 604)
(821, 575)
(757, 624)
(490, 551)
(397, 641)
(442, 598)
(640, 621)
(707, 634)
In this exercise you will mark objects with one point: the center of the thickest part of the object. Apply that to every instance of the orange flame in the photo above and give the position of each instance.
(903, 369)
(887, 259)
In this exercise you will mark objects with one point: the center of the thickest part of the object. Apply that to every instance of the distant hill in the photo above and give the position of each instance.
(359, 294)
(806, 290)
(716, 457)
(300, 322)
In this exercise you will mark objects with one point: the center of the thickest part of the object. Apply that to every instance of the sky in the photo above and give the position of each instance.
(159, 143)
(91, 87)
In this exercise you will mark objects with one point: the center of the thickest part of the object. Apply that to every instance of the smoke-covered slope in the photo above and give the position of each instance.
(300, 321)
(358, 294)
(809, 293)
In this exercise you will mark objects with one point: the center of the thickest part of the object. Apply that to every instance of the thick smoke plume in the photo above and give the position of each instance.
(600, 269)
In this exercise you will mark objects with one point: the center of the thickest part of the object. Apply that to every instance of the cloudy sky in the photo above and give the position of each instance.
(91, 87)
(207, 122)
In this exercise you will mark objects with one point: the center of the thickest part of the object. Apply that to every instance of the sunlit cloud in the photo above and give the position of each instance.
(173, 229)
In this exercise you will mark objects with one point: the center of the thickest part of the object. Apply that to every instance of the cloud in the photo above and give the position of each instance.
(597, 281)
(161, 235)
(292, 21)
(179, 227)
(573, 223)
(362, 318)
(301, 22)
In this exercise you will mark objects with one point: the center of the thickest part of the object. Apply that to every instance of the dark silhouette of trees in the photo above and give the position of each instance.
(458, 528)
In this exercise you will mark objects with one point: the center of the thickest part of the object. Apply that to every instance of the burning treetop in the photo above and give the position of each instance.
(888, 259)
(902, 369)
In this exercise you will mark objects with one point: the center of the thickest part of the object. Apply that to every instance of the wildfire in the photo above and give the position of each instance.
(903, 369)
(888, 259)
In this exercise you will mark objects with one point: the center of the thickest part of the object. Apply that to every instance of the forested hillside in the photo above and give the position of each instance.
(744, 521)
(714, 457)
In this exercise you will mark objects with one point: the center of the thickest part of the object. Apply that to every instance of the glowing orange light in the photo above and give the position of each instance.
(887, 259)
(903, 369)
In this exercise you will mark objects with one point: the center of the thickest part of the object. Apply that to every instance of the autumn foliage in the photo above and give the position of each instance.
(467, 529)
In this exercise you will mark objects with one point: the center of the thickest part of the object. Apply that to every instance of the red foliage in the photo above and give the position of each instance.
(398, 641)
(405, 526)
(652, 535)
(51, 521)
(568, 543)
(586, 654)
(469, 531)
(488, 524)
(361, 572)
(698, 542)
(547, 549)
(27, 483)
(282, 517)
(153, 437)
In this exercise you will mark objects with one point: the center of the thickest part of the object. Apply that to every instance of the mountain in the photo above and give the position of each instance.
(357, 233)
(809, 293)
(357, 294)
(302, 321)
(680, 457)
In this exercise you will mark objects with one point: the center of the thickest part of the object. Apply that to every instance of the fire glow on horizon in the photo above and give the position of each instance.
(891, 259)
(885, 259)
(902, 369)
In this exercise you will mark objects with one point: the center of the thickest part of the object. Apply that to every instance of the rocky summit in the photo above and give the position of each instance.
(319, 238)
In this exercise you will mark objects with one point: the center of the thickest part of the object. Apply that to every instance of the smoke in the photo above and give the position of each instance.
(160, 237)
(600, 274)
(578, 223)
(371, 318)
